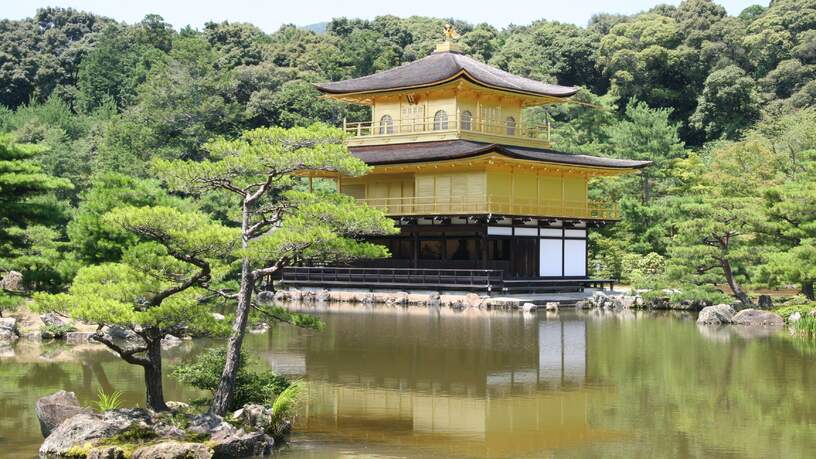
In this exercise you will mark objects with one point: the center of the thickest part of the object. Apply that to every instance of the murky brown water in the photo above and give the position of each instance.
(393, 382)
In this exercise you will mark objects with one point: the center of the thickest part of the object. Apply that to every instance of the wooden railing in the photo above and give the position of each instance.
(327, 276)
(489, 280)
(449, 123)
(493, 204)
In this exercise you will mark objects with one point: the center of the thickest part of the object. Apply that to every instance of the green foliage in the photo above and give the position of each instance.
(108, 402)
(95, 240)
(9, 303)
(286, 403)
(642, 271)
(56, 331)
(806, 326)
(253, 383)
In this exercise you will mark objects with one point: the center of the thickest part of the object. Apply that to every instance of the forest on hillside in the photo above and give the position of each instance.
(723, 105)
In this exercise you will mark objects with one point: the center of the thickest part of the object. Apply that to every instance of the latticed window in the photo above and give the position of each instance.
(386, 125)
(511, 125)
(440, 120)
(467, 121)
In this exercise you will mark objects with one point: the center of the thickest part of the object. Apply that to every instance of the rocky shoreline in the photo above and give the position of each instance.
(77, 432)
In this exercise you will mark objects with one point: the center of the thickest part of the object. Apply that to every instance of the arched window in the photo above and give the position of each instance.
(511, 125)
(440, 120)
(386, 125)
(467, 121)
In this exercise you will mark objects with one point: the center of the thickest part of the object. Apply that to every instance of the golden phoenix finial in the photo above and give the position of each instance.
(450, 33)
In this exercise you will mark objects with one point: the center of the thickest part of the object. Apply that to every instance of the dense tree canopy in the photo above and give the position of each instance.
(109, 105)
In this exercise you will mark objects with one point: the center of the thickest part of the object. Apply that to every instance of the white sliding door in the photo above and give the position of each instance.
(550, 256)
(575, 257)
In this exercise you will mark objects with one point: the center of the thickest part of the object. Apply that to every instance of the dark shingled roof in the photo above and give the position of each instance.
(401, 153)
(441, 66)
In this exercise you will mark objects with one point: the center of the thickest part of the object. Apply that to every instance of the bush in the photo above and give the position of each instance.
(8, 303)
(643, 271)
(253, 383)
(806, 326)
(56, 331)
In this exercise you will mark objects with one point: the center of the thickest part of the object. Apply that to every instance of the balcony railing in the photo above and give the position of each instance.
(455, 123)
(493, 204)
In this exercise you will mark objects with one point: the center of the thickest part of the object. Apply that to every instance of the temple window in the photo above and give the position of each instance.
(511, 125)
(386, 125)
(467, 121)
(440, 120)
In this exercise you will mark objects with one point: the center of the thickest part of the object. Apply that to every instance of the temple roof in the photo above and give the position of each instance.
(454, 149)
(440, 67)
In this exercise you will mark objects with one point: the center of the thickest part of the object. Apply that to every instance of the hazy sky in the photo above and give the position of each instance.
(269, 15)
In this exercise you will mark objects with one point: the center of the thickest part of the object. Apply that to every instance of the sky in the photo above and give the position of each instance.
(269, 15)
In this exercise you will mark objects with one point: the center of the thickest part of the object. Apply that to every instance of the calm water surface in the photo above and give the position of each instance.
(417, 382)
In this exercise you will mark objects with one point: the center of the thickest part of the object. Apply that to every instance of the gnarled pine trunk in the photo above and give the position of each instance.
(807, 290)
(732, 282)
(153, 376)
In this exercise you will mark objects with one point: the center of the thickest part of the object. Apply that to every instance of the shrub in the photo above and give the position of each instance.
(643, 271)
(8, 303)
(56, 331)
(108, 402)
(253, 383)
(806, 326)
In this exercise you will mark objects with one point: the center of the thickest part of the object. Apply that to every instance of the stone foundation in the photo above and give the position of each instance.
(457, 300)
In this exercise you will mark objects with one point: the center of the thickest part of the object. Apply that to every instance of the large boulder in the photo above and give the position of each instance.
(719, 314)
(210, 425)
(53, 409)
(241, 444)
(107, 452)
(757, 318)
(86, 428)
(8, 329)
(52, 319)
(173, 450)
(12, 281)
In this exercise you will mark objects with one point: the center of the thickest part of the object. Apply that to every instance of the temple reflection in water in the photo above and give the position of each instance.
(475, 381)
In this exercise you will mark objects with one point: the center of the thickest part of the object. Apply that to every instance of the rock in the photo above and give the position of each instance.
(107, 452)
(528, 307)
(254, 416)
(434, 299)
(53, 320)
(241, 444)
(8, 329)
(178, 406)
(266, 296)
(76, 337)
(323, 296)
(757, 318)
(551, 306)
(217, 316)
(295, 294)
(173, 450)
(812, 313)
(53, 409)
(472, 300)
(260, 327)
(170, 341)
(12, 281)
(85, 428)
(795, 317)
(764, 302)
(280, 296)
(716, 315)
(210, 424)
(581, 304)
(118, 332)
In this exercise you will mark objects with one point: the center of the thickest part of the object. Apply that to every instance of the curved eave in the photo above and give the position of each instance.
(461, 74)
(488, 152)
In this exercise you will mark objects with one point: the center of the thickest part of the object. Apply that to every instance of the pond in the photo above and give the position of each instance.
(420, 382)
